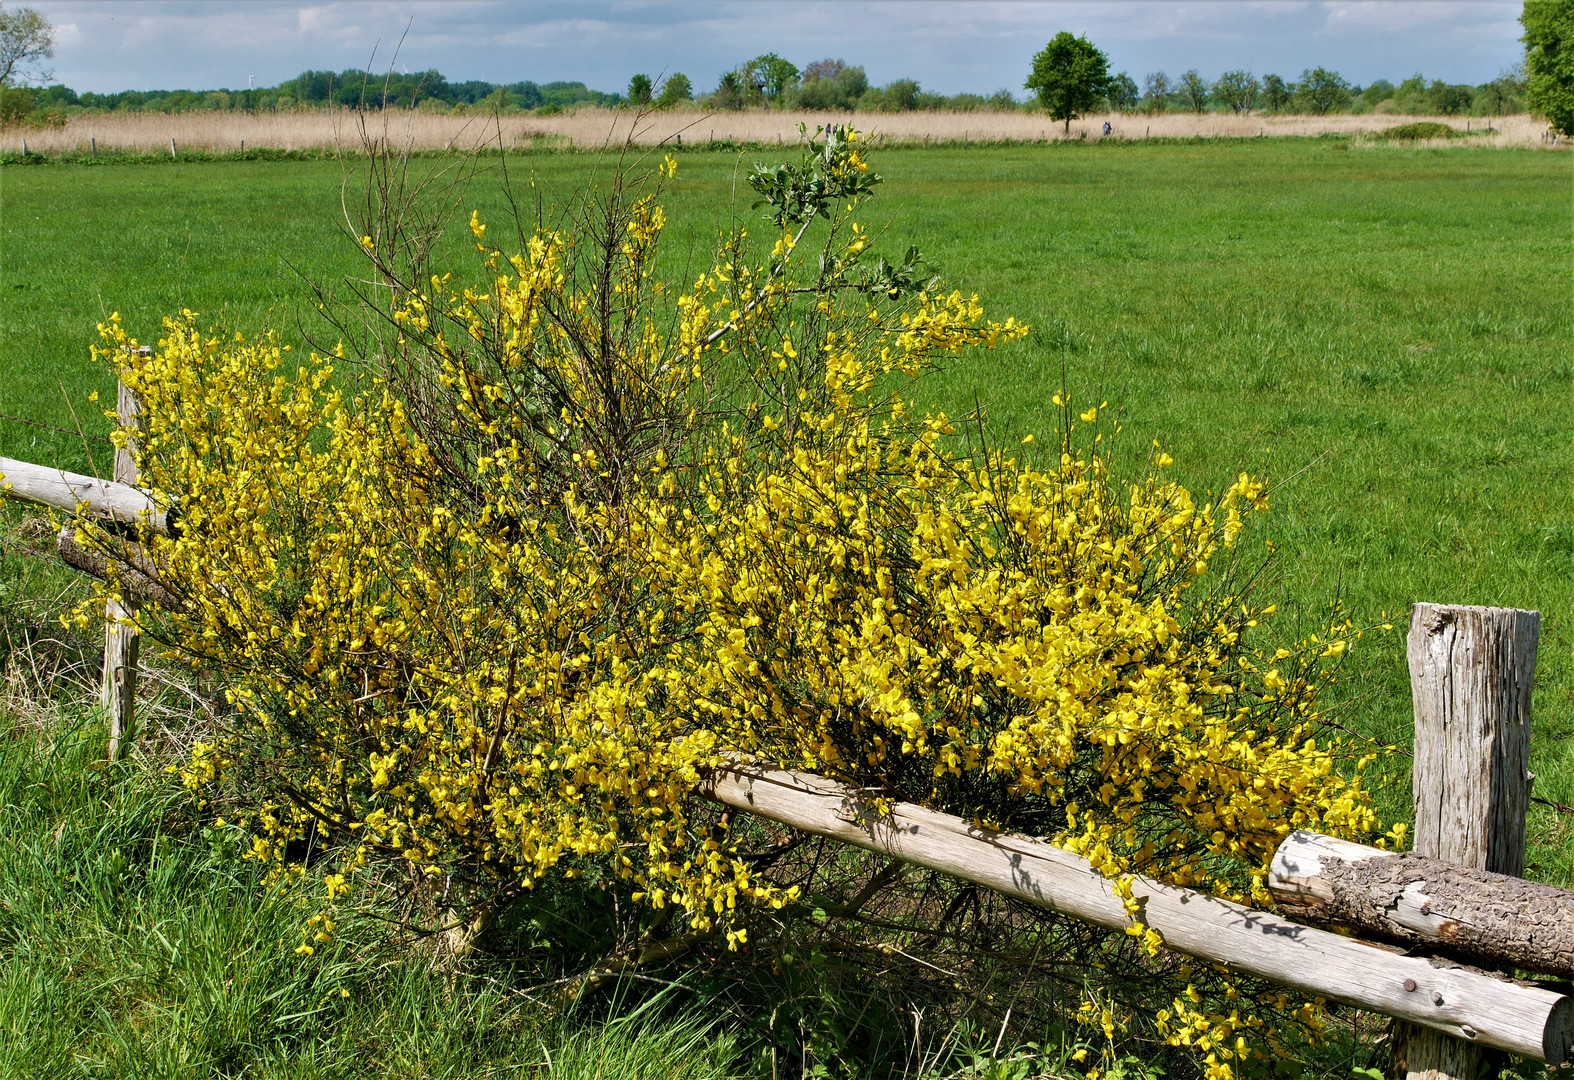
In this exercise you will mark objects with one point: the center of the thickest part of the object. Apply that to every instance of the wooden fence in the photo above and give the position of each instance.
(1442, 927)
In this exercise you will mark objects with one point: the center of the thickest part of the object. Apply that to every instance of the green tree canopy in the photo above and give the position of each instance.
(770, 76)
(675, 90)
(901, 95)
(1549, 61)
(1123, 95)
(1504, 94)
(1237, 90)
(831, 84)
(1156, 91)
(639, 90)
(1276, 93)
(729, 91)
(1449, 99)
(1193, 90)
(1071, 76)
(1322, 91)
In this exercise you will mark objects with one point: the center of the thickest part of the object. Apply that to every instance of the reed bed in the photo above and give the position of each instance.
(339, 129)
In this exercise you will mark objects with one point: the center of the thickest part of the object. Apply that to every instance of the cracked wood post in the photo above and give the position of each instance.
(122, 644)
(1470, 676)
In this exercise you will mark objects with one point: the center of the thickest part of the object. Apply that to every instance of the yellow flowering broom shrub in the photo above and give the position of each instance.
(492, 597)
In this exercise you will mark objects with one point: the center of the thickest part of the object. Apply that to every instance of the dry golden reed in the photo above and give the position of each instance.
(226, 132)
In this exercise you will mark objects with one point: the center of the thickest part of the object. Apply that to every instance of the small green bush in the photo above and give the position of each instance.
(1422, 129)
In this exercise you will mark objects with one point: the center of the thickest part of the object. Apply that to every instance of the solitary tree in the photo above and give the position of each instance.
(675, 90)
(1238, 90)
(1193, 90)
(639, 90)
(1549, 61)
(26, 37)
(1071, 75)
(1321, 91)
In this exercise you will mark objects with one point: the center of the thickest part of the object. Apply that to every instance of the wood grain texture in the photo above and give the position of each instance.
(122, 653)
(102, 499)
(1470, 676)
(1524, 1019)
(122, 643)
(1497, 920)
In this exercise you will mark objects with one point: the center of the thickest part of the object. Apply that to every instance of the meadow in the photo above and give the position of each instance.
(1385, 331)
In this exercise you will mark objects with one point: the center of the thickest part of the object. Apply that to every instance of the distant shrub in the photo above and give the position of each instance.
(1421, 129)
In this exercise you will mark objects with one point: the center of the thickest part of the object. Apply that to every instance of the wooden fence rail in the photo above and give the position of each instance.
(102, 500)
(1472, 1006)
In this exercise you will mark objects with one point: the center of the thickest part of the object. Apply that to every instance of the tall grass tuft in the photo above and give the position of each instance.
(136, 943)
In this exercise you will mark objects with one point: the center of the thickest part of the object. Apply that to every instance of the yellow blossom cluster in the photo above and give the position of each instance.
(490, 604)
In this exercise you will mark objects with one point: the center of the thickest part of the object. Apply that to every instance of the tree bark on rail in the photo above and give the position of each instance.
(1498, 920)
(138, 576)
(1522, 1018)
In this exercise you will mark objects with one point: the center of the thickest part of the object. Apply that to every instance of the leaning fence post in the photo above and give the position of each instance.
(121, 641)
(1470, 675)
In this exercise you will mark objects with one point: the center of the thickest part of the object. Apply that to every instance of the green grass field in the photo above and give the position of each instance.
(1390, 329)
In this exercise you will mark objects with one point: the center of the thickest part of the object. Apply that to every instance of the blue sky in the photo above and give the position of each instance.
(949, 47)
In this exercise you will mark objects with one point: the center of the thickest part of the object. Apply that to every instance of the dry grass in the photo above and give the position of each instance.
(591, 127)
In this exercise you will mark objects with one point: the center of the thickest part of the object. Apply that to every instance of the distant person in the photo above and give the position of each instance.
(1106, 129)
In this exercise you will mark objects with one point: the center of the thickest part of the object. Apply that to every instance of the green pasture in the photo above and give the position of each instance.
(1387, 330)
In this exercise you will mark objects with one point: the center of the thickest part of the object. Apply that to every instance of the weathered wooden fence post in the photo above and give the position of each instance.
(122, 645)
(1470, 676)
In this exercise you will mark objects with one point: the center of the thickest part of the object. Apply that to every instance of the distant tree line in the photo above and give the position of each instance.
(1320, 91)
(771, 82)
(426, 90)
